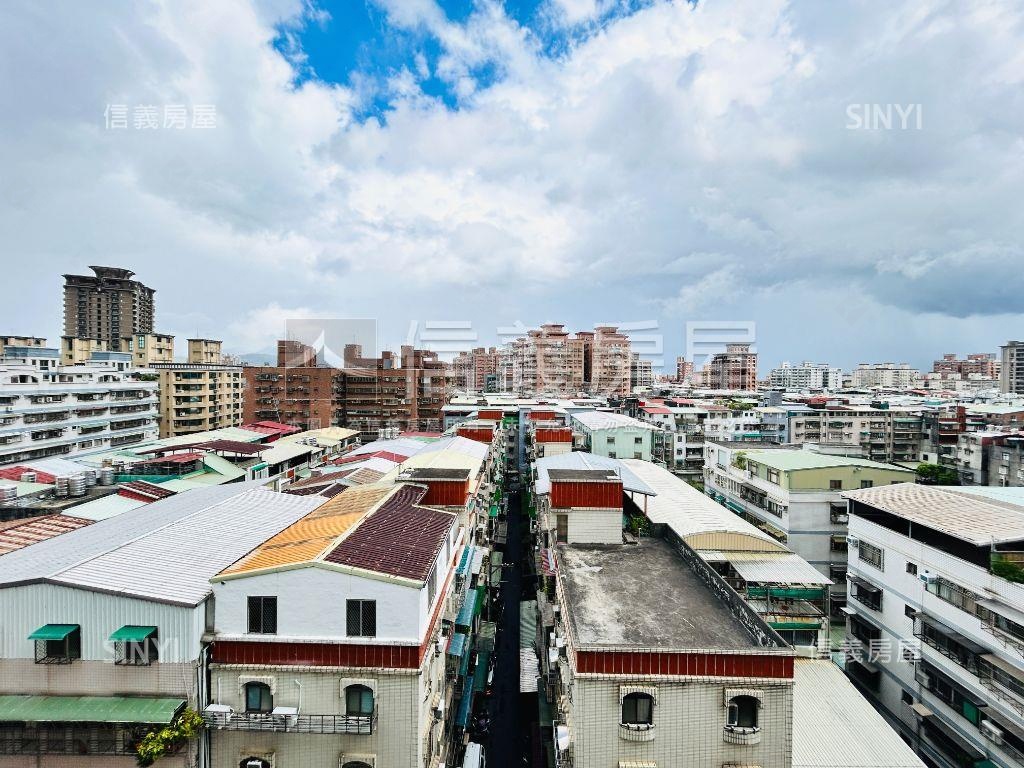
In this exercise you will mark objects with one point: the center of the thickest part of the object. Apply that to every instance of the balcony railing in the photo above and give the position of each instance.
(362, 725)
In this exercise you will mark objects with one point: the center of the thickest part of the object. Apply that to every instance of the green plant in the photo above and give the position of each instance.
(933, 474)
(739, 460)
(165, 741)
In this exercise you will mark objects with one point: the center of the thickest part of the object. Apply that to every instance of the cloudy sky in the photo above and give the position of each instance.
(578, 161)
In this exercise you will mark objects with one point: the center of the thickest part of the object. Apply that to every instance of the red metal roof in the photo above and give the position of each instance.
(400, 538)
(655, 409)
(15, 473)
(272, 428)
(144, 491)
(232, 446)
(398, 458)
(36, 529)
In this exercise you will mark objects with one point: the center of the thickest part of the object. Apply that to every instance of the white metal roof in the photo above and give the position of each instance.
(835, 726)
(106, 506)
(781, 568)
(165, 551)
(971, 516)
(688, 511)
(606, 420)
(583, 460)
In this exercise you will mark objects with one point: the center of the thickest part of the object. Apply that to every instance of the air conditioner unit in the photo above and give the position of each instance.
(929, 578)
(852, 541)
(991, 731)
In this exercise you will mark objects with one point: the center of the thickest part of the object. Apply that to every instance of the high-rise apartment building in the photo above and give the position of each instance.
(477, 370)
(296, 391)
(981, 364)
(805, 376)
(734, 369)
(684, 370)
(201, 394)
(108, 306)
(641, 371)
(1011, 374)
(607, 361)
(885, 375)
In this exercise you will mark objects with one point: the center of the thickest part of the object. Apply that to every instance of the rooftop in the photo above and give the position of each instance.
(33, 530)
(580, 460)
(787, 460)
(606, 420)
(644, 596)
(970, 515)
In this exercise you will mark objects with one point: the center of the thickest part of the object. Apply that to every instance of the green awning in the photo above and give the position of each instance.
(493, 511)
(88, 709)
(132, 634)
(53, 632)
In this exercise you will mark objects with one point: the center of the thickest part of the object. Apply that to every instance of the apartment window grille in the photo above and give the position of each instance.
(60, 651)
(866, 483)
(263, 615)
(872, 555)
(637, 709)
(361, 618)
(773, 476)
(137, 653)
(953, 594)
(835, 485)
(912, 568)
(258, 697)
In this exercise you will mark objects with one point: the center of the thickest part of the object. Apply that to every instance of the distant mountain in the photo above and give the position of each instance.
(258, 358)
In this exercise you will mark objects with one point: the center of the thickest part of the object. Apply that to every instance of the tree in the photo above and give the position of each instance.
(933, 474)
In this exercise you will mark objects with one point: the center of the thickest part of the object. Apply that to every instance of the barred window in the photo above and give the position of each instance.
(361, 618)
(871, 555)
(263, 615)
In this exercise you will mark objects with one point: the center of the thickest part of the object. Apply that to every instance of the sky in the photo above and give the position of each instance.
(846, 175)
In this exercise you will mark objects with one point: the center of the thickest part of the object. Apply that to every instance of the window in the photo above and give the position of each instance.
(909, 611)
(637, 709)
(773, 476)
(358, 701)
(58, 643)
(906, 697)
(638, 441)
(361, 618)
(562, 529)
(637, 455)
(610, 440)
(743, 711)
(835, 485)
(912, 568)
(431, 586)
(871, 555)
(263, 615)
(258, 697)
(866, 483)
(139, 648)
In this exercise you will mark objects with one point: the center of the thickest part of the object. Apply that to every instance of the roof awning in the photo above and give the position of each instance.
(88, 709)
(1004, 610)
(53, 632)
(864, 584)
(132, 634)
(945, 631)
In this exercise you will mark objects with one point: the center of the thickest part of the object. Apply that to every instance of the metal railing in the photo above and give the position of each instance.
(362, 725)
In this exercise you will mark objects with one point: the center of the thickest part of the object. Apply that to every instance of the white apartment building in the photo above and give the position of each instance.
(935, 632)
(103, 629)
(884, 375)
(880, 434)
(52, 410)
(807, 375)
(796, 496)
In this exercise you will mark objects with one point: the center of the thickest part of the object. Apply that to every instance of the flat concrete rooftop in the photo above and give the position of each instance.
(644, 596)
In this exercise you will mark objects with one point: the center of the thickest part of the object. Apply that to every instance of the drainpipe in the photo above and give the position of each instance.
(299, 708)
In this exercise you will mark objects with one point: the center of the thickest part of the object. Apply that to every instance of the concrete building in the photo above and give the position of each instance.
(296, 391)
(21, 341)
(684, 370)
(990, 457)
(735, 369)
(476, 370)
(806, 376)
(52, 410)
(641, 372)
(201, 394)
(880, 434)
(607, 362)
(1011, 372)
(613, 435)
(108, 306)
(103, 629)
(981, 364)
(796, 496)
(884, 376)
(935, 632)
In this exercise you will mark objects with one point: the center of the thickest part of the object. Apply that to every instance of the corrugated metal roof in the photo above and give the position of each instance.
(399, 538)
(89, 709)
(307, 539)
(583, 460)
(107, 506)
(34, 530)
(606, 420)
(689, 512)
(834, 725)
(167, 550)
(782, 568)
(967, 516)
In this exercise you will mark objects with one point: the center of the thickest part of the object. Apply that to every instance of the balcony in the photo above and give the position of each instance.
(287, 720)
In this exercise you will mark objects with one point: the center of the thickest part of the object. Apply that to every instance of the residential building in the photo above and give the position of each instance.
(108, 306)
(880, 434)
(296, 391)
(990, 457)
(103, 629)
(404, 391)
(607, 362)
(796, 496)
(981, 364)
(50, 410)
(684, 370)
(935, 633)
(884, 376)
(477, 370)
(735, 369)
(806, 376)
(613, 435)
(641, 372)
(1011, 372)
(366, 692)
(20, 341)
(201, 394)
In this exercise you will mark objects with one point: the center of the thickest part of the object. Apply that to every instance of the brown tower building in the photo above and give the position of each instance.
(108, 306)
